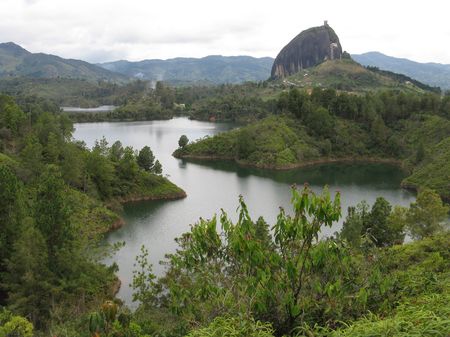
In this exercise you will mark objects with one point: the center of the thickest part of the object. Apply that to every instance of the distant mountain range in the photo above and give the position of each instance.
(16, 61)
(434, 74)
(213, 69)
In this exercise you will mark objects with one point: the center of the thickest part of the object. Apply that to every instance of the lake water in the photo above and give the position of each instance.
(102, 108)
(211, 186)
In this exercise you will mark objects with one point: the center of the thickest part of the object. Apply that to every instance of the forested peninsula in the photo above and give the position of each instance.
(324, 125)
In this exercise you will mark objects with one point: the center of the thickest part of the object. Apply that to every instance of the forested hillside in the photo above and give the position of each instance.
(407, 129)
(57, 200)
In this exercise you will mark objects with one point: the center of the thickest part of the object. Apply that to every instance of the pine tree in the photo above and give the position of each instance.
(52, 149)
(146, 158)
(11, 207)
(52, 212)
(28, 280)
(377, 226)
(157, 168)
(427, 214)
(31, 155)
(183, 141)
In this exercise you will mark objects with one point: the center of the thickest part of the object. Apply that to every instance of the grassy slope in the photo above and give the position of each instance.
(434, 172)
(346, 75)
(422, 271)
(152, 187)
(426, 315)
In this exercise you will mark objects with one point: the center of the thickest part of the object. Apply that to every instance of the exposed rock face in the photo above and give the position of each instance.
(307, 49)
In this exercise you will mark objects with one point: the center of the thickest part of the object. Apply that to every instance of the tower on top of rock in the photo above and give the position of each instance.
(325, 23)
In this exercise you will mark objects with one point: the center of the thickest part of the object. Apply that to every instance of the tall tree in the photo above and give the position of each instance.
(379, 131)
(157, 168)
(28, 280)
(183, 141)
(377, 226)
(11, 116)
(100, 170)
(52, 149)
(32, 156)
(52, 212)
(352, 228)
(11, 207)
(128, 167)
(427, 215)
(116, 151)
(146, 158)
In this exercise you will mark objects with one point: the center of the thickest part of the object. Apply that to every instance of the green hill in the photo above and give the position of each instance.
(18, 62)
(348, 75)
(434, 172)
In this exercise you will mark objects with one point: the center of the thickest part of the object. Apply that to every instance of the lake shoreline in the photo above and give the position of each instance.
(125, 120)
(309, 163)
(120, 222)
(136, 198)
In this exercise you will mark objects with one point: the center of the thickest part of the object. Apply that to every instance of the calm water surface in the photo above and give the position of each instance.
(211, 186)
(102, 108)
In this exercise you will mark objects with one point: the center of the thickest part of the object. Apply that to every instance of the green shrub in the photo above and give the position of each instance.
(234, 327)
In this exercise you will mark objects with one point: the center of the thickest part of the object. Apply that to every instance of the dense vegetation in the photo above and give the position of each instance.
(243, 278)
(325, 125)
(74, 92)
(243, 103)
(53, 193)
(251, 279)
(434, 169)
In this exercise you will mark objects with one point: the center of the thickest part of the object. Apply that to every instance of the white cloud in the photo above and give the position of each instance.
(104, 30)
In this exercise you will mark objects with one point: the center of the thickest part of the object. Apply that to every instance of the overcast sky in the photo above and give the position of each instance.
(106, 30)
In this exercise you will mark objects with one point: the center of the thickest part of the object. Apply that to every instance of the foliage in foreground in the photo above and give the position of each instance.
(289, 278)
(425, 316)
(244, 269)
(14, 326)
(386, 226)
(234, 327)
